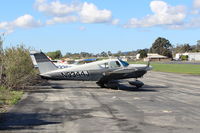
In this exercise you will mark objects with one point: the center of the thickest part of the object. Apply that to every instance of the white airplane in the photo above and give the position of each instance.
(106, 73)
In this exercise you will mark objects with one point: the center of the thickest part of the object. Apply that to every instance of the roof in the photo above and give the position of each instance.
(157, 56)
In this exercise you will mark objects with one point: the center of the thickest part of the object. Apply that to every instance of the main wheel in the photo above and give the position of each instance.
(136, 83)
(102, 85)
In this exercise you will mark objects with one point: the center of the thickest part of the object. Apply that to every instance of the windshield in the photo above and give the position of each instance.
(124, 63)
(114, 64)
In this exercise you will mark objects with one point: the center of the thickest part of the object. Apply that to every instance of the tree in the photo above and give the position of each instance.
(1, 60)
(109, 53)
(103, 54)
(1, 45)
(68, 55)
(143, 53)
(85, 54)
(198, 46)
(198, 42)
(162, 46)
(186, 48)
(55, 55)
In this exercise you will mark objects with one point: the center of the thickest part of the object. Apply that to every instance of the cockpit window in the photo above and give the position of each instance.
(104, 65)
(118, 64)
(125, 64)
(114, 64)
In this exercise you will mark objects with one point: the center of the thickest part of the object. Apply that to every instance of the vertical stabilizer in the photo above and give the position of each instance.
(41, 61)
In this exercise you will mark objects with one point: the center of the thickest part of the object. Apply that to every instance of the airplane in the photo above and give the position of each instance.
(106, 73)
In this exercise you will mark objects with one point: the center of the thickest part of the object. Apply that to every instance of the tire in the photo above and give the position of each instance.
(101, 85)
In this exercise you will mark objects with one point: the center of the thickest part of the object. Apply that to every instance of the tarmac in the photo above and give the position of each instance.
(167, 103)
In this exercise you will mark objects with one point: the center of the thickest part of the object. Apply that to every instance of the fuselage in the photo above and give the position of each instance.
(111, 69)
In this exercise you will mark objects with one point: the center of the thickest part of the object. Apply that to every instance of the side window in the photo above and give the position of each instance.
(118, 64)
(104, 65)
(114, 64)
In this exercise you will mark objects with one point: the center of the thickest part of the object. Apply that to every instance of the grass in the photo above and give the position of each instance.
(8, 97)
(174, 68)
(177, 68)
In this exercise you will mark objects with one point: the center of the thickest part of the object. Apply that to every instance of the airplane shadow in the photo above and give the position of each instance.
(72, 87)
(124, 87)
(145, 88)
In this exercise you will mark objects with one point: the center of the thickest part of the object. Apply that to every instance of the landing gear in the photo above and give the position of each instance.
(136, 83)
(110, 84)
(115, 84)
(102, 85)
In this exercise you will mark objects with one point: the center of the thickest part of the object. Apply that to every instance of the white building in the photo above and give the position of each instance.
(178, 55)
(138, 56)
(153, 57)
(191, 56)
(194, 56)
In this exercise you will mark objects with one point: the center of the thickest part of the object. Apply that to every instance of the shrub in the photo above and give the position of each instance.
(18, 68)
(184, 57)
(9, 97)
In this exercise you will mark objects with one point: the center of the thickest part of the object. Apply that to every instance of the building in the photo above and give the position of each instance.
(194, 56)
(191, 56)
(137, 56)
(154, 57)
(178, 55)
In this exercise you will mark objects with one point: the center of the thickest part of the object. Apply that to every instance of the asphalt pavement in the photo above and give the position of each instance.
(168, 103)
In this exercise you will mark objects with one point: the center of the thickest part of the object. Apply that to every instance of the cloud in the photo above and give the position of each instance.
(192, 23)
(65, 19)
(6, 27)
(115, 22)
(82, 12)
(89, 13)
(164, 14)
(61, 13)
(56, 8)
(82, 28)
(196, 7)
(25, 21)
(196, 3)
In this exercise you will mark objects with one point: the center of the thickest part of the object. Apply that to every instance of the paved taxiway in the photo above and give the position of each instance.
(168, 103)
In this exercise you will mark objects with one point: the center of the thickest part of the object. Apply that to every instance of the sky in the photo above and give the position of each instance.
(98, 25)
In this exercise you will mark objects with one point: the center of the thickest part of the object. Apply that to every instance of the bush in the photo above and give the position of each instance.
(184, 57)
(9, 97)
(18, 68)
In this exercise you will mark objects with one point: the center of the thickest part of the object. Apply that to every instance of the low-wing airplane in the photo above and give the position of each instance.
(106, 73)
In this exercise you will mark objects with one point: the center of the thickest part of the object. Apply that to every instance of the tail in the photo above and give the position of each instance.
(41, 61)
